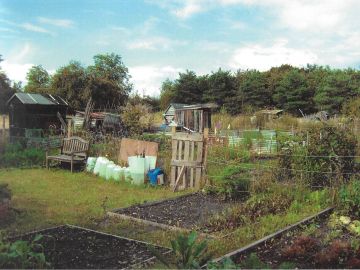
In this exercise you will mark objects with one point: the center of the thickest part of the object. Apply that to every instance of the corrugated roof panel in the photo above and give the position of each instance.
(25, 98)
(40, 99)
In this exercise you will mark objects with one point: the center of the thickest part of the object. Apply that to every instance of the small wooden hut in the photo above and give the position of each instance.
(169, 114)
(35, 112)
(194, 118)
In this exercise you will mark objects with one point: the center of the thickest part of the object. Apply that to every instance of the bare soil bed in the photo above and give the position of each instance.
(315, 247)
(70, 247)
(188, 211)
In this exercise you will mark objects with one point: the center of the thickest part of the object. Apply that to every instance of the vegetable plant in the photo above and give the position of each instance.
(188, 252)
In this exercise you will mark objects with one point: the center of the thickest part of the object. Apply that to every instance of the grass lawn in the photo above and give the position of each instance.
(47, 198)
(51, 197)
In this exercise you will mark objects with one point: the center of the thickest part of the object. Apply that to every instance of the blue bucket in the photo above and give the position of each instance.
(153, 174)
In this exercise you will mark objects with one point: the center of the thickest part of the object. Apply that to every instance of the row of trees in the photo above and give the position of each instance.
(106, 82)
(290, 88)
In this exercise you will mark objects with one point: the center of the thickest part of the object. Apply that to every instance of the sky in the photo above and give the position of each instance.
(157, 39)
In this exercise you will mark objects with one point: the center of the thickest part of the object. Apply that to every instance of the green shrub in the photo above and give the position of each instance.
(16, 155)
(349, 197)
(233, 182)
(323, 156)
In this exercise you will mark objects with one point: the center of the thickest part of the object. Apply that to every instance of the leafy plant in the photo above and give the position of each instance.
(189, 254)
(23, 254)
(233, 182)
(320, 157)
(226, 263)
(349, 197)
(287, 265)
(253, 262)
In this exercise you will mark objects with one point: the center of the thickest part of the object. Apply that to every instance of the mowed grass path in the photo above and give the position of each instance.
(52, 197)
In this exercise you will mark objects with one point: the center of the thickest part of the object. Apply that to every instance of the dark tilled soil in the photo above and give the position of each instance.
(187, 211)
(68, 247)
(272, 252)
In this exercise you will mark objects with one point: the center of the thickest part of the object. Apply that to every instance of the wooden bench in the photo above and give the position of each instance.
(74, 150)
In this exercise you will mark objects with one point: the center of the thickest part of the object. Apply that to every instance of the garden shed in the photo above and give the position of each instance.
(169, 114)
(194, 118)
(28, 112)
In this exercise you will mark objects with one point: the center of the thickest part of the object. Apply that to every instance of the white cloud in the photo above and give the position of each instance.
(190, 7)
(14, 71)
(16, 64)
(263, 58)
(34, 28)
(155, 43)
(148, 79)
(65, 23)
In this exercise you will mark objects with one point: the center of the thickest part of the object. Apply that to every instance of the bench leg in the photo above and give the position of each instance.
(71, 165)
(47, 163)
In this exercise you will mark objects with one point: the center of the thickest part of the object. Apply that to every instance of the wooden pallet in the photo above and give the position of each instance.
(187, 162)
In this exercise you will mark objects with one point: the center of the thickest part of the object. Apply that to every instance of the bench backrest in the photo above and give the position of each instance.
(75, 144)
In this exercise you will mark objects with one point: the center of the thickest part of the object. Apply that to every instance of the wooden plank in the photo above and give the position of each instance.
(192, 151)
(180, 163)
(130, 147)
(179, 157)
(182, 171)
(186, 159)
(197, 137)
(173, 157)
(199, 158)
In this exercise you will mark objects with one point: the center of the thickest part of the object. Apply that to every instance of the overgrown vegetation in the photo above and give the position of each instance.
(323, 156)
(18, 155)
(22, 254)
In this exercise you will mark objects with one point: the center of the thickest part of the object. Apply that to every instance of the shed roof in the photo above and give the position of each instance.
(176, 106)
(200, 106)
(271, 111)
(39, 99)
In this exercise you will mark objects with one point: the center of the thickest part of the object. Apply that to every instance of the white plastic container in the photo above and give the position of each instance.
(137, 169)
(109, 171)
(98, 163)
(127, 174)
(117, 173)
(150, 163)
(103, 166)
(90, 164)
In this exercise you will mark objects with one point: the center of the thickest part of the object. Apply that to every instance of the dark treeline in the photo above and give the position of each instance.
(106, 81)
(309, 89)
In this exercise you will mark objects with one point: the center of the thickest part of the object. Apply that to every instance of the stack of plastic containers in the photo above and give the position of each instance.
(90, 164)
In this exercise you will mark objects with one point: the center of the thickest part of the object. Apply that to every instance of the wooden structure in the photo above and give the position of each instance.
(169, 114)
(131, 147)
(188, 160)
(74, 150)
(269, 114)
(35, 111)
(194, 118)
